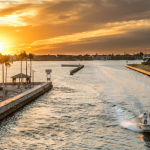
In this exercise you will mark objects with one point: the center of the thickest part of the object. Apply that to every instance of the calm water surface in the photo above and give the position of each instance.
(97, 108)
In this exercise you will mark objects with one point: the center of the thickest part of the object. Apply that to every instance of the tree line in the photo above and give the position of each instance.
(6, 62)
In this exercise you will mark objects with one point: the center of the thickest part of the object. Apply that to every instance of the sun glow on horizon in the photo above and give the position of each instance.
(1, 46)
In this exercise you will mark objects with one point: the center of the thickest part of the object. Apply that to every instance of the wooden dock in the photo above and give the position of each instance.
(139, 70)
(9, 106)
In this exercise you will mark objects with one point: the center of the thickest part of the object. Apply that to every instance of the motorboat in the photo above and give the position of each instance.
(145, 127)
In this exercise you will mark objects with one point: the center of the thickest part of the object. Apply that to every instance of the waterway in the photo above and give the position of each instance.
(97, 108)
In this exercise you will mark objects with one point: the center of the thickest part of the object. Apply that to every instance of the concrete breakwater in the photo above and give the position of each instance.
(139, 70)
(76, 69)
(67, 65)
(10, 105)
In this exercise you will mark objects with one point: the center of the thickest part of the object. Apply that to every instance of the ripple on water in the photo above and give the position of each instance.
(94, 109)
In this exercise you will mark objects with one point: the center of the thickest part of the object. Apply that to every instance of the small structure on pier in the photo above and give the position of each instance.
(19, 76)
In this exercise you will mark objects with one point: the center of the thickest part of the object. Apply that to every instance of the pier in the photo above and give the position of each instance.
(79, 67)
(67, 65)
(139, 70)
(8, 106)
(76, 70)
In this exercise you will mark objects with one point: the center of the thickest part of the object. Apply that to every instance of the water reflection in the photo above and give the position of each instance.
(145, 137)
(91, 110)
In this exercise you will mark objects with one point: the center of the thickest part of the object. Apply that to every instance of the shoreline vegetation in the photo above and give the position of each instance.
(141, 66)
(145, 65)
(86, 57)
(6, 60)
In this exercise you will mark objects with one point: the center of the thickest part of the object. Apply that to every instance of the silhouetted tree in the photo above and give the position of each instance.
(7, 61)
(141, 53)
(31, 56)
(25, 56)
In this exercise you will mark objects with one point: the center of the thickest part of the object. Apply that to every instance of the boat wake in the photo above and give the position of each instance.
(130, 126)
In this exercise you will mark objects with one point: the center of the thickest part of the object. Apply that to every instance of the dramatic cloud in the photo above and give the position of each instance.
(9, 10)
(75, 26)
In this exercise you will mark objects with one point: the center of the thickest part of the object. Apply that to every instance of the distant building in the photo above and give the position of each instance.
(146, 56)
(13, 58)
(102, 57)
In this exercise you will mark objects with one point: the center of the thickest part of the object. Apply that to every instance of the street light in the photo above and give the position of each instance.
(21, 74)
(33, 76)
(3, 75)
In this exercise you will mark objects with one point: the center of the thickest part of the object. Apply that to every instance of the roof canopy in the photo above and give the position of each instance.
(19, 76)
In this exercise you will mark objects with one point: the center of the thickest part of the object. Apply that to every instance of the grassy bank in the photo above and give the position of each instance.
(143, 67)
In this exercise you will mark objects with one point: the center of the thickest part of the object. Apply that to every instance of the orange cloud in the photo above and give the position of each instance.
(58, 24)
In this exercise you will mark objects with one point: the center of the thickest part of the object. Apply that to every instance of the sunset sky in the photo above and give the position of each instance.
(74, 26)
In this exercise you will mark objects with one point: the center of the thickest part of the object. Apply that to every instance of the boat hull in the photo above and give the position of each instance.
(145, 127)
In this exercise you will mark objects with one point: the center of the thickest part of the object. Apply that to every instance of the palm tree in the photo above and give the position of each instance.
(1, 58)
(30, 56)
(25, 56)
(7, 61)
(1, 55)
(21, 56)
(1, 62)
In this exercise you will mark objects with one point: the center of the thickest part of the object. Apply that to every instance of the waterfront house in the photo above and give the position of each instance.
(102, 57)
(146, 56)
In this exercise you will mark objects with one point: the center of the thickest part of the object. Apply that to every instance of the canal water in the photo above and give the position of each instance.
(97, 108)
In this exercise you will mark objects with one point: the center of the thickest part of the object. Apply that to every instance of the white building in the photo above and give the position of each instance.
(102, 57)
(13, 58)
(146, 56)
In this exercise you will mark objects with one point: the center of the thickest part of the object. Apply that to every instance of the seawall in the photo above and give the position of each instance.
(7, 107)
(67, 65)
(76, 69)
(139, 70)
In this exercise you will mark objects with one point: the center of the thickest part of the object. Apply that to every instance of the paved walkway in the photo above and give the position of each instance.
(12, 91)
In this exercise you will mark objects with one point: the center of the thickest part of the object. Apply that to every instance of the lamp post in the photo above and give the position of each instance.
(2, 74)
(33, 77)
(21, 74)
(3, 77)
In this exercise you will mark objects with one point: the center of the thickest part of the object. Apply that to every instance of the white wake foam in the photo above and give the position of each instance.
(130, 126)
